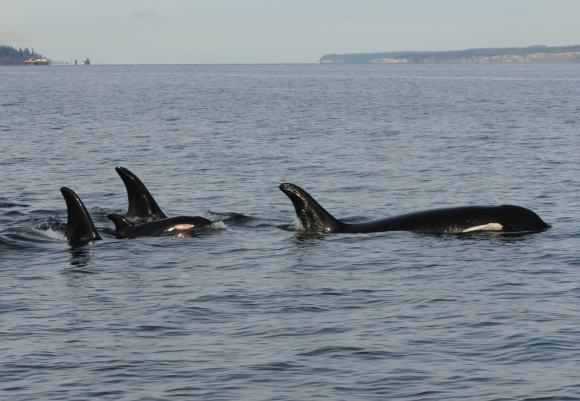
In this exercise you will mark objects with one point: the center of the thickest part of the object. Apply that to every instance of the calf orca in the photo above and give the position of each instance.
(127, 229)
(79, 228)
(466, 219)
(142, 206)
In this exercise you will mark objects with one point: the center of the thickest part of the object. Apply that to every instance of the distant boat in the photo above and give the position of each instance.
(37, 61)
(86, 62)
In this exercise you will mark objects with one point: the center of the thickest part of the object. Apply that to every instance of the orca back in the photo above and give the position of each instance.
(80, 228)
(313, 217)
(126, 229)
(121, 222)
(141, 204)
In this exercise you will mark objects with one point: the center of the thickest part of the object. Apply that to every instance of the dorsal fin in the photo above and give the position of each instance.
(141, 203)
(311, 214)
(80, 228)
(120, 222)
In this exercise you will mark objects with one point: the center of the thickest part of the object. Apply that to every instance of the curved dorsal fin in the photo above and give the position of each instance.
(141, 203)
(311, 214)
(120, 221)
(80, 228)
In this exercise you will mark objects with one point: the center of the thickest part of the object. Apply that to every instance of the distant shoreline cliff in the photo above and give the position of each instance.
(531, 54)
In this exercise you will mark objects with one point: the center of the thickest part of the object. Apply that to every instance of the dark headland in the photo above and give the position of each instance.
(531, 54)
(11, 56)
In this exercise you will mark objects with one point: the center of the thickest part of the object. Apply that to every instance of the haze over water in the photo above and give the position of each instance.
(253, 308)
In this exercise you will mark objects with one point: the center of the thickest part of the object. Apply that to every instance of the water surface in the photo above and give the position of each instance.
(253, 308)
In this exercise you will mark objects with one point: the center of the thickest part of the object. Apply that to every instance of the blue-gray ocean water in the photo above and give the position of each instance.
(254, 309)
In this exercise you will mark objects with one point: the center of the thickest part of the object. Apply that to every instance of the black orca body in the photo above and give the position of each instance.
(127, 229)
(142, 206)
(80, 228)
(505, 218)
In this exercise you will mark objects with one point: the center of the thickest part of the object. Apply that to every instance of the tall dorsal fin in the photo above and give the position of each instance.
(141, 203)
(311, 214)
(80, 228)
(120, 221)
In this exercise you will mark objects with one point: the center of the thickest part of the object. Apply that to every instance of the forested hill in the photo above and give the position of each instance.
(488, 55)
(11, 56)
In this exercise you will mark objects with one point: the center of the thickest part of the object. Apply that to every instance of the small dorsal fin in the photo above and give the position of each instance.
(80, 228)
(120, 222)
(311, 214)
(141, 203)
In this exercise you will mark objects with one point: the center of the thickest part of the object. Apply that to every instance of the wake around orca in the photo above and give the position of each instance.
(466, 219)
(81, 229)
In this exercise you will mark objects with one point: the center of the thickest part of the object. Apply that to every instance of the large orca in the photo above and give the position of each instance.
(80, 228)
(127, 229)
(466, 219)
(142, 206)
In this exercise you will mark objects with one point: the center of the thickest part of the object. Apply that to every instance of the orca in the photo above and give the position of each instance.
(142, 206)
(466, 219)
(127, 229)
(79, 228)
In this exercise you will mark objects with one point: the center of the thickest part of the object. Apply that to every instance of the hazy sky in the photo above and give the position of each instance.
(276, 31)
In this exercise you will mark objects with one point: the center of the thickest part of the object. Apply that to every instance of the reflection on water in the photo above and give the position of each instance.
(81, 256)
(304, 239)
(4, 246)
(186, 233)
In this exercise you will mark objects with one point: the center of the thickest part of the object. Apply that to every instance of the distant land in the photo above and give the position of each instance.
(531, 54)
(11, 56)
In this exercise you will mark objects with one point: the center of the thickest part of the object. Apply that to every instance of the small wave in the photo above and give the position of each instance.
(52, 230)
(50, 233)
(219, 225)
(51, 225)
(215, 216)
(333, 350)
(13, 213)
(8, 205)
(4, 243)
(297, 225)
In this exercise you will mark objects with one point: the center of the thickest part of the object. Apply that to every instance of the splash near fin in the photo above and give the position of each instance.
(80, 228)
(313, 216)
(120, 222)
(141, 203)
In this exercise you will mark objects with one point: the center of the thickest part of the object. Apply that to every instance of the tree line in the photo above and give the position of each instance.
(12, 56)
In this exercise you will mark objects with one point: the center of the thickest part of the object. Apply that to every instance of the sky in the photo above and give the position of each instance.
(276, 31)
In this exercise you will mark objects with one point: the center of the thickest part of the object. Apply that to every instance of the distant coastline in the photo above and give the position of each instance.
(531, 54)
(12, 56)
